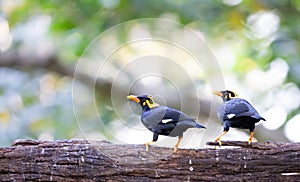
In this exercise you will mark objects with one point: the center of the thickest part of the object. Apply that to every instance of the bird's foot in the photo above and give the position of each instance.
(250, 141)
(147, 145)
(175, 149)
(219, 141)
(250, 138)
(177, 144)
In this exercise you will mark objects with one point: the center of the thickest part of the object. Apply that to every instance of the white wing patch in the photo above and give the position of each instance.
(166, 120)
(229, 116)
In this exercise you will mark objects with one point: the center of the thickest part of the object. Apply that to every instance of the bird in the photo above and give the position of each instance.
(163, 120)
(236, 113)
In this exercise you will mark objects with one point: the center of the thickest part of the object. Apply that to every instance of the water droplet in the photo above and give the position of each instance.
(191, 168)
(245, 165)
(51, 178)
(245, 158)
(190, 161)
(142, 158)
(156, 174)
(82, 159)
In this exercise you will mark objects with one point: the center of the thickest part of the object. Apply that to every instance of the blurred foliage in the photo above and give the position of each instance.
(38, 103)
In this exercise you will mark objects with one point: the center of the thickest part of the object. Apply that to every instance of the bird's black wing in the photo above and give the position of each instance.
(163, 114)
(154, 116)
(180, 119)
(176, 115)
(238, 108)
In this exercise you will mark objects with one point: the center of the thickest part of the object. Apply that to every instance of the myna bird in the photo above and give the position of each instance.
(162, 120)
(236, 113)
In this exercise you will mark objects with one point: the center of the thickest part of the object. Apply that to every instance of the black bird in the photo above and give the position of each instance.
(162, 120)
(236, 113)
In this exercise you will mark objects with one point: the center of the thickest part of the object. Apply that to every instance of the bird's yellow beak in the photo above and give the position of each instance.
(218, 93)
(134, 98)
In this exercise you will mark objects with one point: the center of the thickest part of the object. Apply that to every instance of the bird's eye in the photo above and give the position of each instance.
(233, 95)
(150, 101)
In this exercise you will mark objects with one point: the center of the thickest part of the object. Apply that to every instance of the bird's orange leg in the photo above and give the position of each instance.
(250, 138)
(218, 139)
(177, 144)
(148, 144)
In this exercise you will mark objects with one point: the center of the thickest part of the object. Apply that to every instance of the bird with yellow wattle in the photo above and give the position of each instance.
(163, 120)
(236, 113)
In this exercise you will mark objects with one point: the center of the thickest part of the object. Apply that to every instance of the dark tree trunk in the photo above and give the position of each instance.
(80, 160)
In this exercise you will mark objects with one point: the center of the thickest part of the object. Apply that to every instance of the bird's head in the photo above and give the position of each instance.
(226, 95)
(146, 101)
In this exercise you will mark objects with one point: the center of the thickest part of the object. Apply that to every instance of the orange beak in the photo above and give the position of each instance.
(134, 98)
(218, 93)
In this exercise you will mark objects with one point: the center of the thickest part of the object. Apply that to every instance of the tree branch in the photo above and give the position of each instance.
(74, 160)
(13, 59)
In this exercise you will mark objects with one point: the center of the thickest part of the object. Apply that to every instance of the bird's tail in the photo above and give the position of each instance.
(190, 123)
(200, 126)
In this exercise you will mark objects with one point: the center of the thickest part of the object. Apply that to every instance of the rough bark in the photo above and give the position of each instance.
(81, 160)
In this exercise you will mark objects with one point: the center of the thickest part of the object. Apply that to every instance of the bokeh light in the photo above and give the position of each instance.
(256, 45)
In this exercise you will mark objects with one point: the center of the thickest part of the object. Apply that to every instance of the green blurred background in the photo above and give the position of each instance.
(256, 43)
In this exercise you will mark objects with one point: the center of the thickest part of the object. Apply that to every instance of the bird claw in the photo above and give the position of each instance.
(250, 141)
(175, 149)
(250, 138)
(219, 141)
(147, 146)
